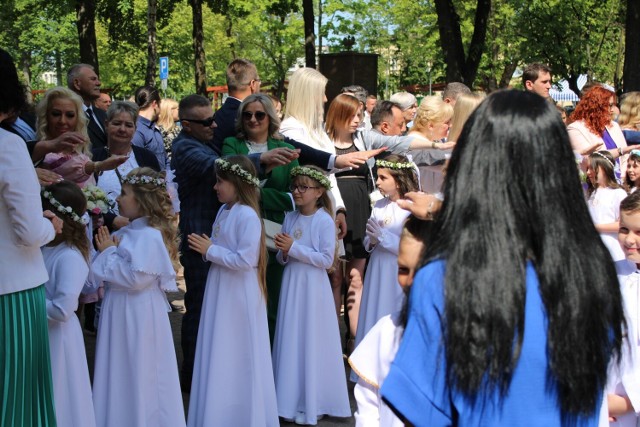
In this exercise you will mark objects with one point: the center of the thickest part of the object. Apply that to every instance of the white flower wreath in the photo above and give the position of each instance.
(236, 169)
(66, 210)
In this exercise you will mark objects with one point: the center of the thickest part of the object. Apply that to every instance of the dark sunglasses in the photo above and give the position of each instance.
(260, 115)
(206, 122)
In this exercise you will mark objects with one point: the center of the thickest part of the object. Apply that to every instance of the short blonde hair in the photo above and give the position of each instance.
(44, 106)
(432, 110)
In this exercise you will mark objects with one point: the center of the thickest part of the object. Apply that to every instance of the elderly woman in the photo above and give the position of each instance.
(591, 128)
(26, 389)
(60, 113)
(408, 104)
(120, 127)
(257, 126)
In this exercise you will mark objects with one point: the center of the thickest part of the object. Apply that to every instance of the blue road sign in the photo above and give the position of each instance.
(164, 67)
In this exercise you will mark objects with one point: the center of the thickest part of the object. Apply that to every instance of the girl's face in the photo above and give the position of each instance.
(633, 172)
(409, 253)
(387, 185)
(306, 193)
(226, 191)
(256, 122)
(120, 128)
(127, 204)
(597, 179)
(355, 121)
(62, 117)
(629, 235)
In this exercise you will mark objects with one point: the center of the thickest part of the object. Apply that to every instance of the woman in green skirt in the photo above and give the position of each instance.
(26, 397)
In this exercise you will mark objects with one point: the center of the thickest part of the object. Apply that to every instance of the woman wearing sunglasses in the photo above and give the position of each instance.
(257, 127)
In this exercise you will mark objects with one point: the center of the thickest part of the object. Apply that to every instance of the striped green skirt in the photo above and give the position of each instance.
(26, 391)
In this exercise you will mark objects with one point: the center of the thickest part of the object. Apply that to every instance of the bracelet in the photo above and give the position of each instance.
(343, 211)
(433, 144)
(96, 167)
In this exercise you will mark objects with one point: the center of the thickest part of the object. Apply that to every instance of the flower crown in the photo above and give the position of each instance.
(143, 179)
(97, 201)
(313, 174)
(64, 209)
(394, 165)
(237, 170)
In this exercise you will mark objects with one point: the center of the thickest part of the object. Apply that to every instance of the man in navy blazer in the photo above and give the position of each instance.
(83, 80)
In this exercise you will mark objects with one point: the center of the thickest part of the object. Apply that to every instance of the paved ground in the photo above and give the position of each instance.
(176, 321)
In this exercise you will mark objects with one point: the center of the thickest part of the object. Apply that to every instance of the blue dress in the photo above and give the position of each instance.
(416, 385)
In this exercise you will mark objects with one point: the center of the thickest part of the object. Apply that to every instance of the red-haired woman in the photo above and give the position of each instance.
(591, 128)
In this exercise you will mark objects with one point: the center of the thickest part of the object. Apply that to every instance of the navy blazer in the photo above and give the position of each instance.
(226, 121)
(97, 136)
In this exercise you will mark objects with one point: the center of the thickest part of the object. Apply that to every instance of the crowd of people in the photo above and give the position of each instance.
(483, 251)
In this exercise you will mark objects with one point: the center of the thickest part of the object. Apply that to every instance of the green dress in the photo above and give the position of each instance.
(275, 201)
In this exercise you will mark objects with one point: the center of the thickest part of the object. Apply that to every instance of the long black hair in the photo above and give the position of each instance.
(512, 195)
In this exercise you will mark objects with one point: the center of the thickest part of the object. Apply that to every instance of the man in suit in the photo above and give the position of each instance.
(83, 80)
(242, 81)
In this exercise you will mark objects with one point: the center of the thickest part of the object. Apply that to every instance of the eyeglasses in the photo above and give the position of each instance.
(301, 188)
(206, 122)
(248, 115)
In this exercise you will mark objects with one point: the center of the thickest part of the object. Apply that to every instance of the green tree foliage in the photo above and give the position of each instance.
(573, 36)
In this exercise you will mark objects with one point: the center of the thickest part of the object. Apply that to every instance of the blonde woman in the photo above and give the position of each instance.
(304, 123)
(629, 118)
(432, 122)
(60, 112)
(168, 123)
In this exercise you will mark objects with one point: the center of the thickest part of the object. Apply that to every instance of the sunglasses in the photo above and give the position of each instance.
(260, 115)
(206, 122)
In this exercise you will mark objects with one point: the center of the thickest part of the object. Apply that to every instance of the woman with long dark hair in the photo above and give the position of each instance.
(509, 322)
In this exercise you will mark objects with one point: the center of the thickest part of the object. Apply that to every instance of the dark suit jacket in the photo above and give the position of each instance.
(226, 121)
(97, 136)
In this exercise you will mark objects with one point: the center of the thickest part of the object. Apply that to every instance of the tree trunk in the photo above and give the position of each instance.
(309, 33)
(25, 64)
(573, 83)
(450, 39)
(508, 71)
(85, 22)
(476, 47)
(459, 68)
(631, 72)
(198, 48)
(152, 43)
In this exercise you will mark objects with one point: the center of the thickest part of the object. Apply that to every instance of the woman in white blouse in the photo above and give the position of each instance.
(25, 389)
